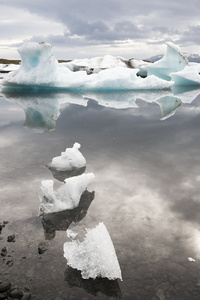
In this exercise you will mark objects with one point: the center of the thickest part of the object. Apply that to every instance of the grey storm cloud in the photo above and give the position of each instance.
(191, 35)
(106, 22)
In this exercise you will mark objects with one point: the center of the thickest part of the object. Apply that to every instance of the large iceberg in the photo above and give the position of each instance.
(67, 196)
(95, 256)
(39, 68)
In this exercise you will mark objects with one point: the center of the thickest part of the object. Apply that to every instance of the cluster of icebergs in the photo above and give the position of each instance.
(95, 256)
(40, 69)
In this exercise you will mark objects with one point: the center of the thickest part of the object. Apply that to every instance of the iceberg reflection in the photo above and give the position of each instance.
(42, 108)
(108, 287)
(168, 106)
(60, 221)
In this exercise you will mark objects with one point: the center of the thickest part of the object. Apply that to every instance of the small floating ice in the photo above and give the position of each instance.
(68, 160)
(190, 259)
(95, 256)
(67, 196)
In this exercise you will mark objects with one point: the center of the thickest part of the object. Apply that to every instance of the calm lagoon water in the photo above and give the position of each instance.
(144, 149)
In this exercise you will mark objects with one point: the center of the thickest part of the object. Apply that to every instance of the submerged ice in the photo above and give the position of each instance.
(67, 196)
(95, 256)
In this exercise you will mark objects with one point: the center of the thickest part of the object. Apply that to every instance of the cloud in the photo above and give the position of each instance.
(106, 23)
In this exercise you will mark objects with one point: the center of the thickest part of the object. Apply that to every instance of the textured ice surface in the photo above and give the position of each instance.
(124, 79)
(95, 256)
(71, 158)
(38, 65)
(188, 76)
(39, 68)
(67, 196)
(173, 61)
(96, 64)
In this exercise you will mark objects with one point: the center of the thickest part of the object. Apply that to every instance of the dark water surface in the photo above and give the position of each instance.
(146, 159)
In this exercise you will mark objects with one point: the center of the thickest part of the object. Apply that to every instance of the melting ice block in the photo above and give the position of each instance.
(67, 196)
(173, 61)
(68, 160)
(95, 256)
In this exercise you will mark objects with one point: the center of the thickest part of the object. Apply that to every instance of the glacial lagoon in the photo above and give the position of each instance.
(144, 151)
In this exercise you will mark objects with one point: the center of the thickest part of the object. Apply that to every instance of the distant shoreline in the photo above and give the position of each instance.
(17, 61)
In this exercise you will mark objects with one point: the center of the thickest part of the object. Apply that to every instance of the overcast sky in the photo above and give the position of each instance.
(90, 28)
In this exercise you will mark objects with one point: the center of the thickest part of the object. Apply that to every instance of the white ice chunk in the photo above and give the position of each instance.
(38, 65)
(190, 259)
(95, 256)
(172, 61)
(8, 67)
(121, 78)
(71, 234)
(67, 196)
(71, 158)
(188, 76)
(96, 64)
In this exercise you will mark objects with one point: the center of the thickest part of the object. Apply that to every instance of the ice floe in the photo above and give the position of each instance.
(67, 196)
(69, 159)
(190, 259)
(95, 256)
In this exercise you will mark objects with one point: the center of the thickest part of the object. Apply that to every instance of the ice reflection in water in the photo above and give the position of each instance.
(146, 191)
(93, 286)
(61, 220)
(42, 108)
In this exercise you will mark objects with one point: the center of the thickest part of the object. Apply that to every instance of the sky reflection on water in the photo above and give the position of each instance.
(147, 174)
